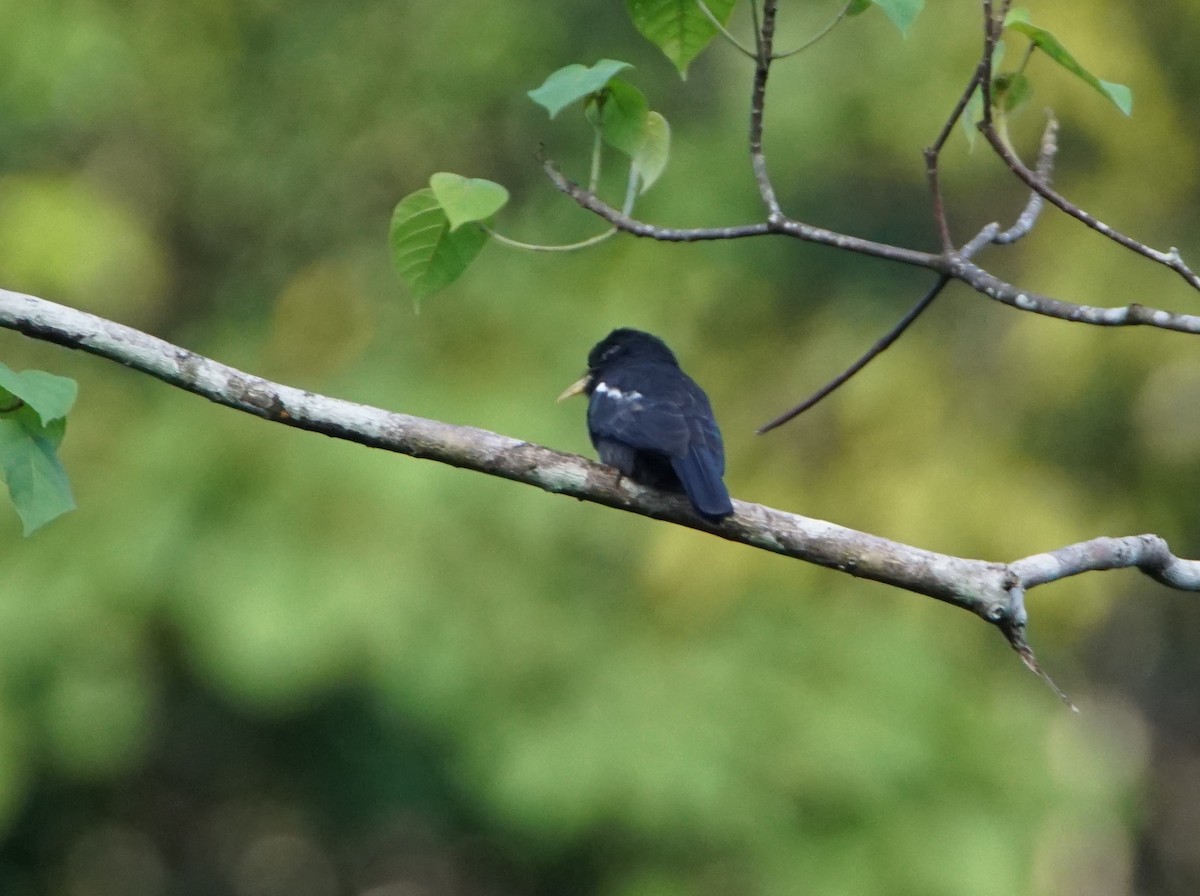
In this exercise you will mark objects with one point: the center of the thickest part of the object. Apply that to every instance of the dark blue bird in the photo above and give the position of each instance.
(652, 422)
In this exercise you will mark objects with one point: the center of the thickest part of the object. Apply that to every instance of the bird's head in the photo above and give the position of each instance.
(619, 346)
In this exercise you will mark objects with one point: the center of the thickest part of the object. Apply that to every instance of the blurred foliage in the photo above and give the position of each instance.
(258, 662)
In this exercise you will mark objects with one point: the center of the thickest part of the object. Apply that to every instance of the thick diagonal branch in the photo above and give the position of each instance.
(994, 591)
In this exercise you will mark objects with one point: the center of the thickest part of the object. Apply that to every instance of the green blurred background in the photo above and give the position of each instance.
(256, 661)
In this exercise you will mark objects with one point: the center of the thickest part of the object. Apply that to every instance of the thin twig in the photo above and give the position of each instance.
(955, 265)
(1170, 259)
(983, 73)
(958, 110)
(985, 237)
(939, 204)
(762, 68)
(933, 160)
(1016, 638)
(991, 234)
(786, 226)
(1134, 314)
(1045, 169)
(873, 352)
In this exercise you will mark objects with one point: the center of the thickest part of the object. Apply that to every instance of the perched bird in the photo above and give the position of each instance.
(650, 420)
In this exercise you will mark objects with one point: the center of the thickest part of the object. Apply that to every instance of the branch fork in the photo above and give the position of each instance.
(950, 264)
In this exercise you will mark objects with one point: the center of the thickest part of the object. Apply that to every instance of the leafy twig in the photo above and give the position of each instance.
(954, 265)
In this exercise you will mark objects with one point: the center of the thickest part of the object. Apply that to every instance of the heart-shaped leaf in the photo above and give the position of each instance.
(37, 482)
(678, 27)
(573, 83)
(466, 199)
(651, 157)
(619, 112)
(50, 396)
(427, 254)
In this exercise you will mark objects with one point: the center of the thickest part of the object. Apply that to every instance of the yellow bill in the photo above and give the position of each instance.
(576, 388)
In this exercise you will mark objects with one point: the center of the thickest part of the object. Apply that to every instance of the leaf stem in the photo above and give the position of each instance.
(597, 158)
(538, 247)
(725, 32)
(626, 209)
(816, 37)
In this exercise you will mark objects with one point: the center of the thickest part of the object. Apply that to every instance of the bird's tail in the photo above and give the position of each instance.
(701, 478)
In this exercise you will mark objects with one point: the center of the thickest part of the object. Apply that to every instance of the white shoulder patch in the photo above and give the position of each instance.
(613, 392)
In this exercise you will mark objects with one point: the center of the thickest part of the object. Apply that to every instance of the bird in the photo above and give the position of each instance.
(649, 420)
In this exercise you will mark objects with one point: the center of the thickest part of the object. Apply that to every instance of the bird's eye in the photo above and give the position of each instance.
(609, 352)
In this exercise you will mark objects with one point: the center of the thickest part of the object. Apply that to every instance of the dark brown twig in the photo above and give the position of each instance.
(932, 172)
(758, 100)
(989, 234)
(933, 157)
(784, 226)
(954, 265)
(1171, 258)
(983, 72)
(873, 352)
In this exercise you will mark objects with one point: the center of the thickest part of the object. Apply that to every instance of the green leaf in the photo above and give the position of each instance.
(466, 199)
(50, 396)
(619, 112)
(623, 118)
(1012, 89)
(573, 83)
(1118, 94)
(427, 254)
(678, 27)
(37, 482)
(902, 12)
(651, 157)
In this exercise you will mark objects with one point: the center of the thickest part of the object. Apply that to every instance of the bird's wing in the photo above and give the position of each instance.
(701, 467)
(699, 472)
(644, 406)
(703, 435)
